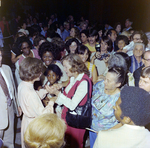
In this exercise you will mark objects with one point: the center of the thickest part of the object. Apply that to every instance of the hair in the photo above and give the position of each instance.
(93, 32)
(86, 32)
(122, 37)
(82, 49)
(139, 44)
(69, 42)
(77, 32)
(120, 74)
(126, 33)
(37, 39)
(45, 131)
(49, 47)
(51, 33)
(30, 69)
(77, 65)
(135, 103)
(117, 60)
(143, 36)
(145, 72)
(109, 32)
(107, 40)
(82, 23)
(143, 55)
(116, 24)
(22, 40)
(55, 69)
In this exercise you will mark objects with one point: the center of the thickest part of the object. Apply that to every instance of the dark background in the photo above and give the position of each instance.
(111, 11)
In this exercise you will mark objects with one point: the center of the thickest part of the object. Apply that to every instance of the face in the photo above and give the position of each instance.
(127, 24)
(52, 77)
(121, 44)
(104, 46)
(73, 47)
(100, 33)
(118, 111)
(83, 27)
(83, 38)
(111, 81)
(137, 38)
(0, 58)
(84, 56)
(138, 50)
(92, 39)
(25, 48)
(144, 83)
(146, 59)
(47, 58)
(118, 28)
(67, 68)
(113, 35)
(24, 26)
(72, 32)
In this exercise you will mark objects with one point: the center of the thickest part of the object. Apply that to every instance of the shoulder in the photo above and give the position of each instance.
(138, 71)
(6, 68)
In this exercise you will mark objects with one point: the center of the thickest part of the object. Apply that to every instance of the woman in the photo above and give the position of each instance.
(74, 94)
(104, 96)
(47, 130)
(75, 33)
(30, 71)
(49, 53)
(24, 47)
(84, 53)
(101, 57)
(117, 27)
(84, 36)
(72, 45)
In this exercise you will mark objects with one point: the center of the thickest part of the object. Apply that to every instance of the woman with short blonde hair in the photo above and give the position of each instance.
(45, 131)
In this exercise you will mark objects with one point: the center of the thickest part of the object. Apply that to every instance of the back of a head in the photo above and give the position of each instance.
(45, 131)
(135, 103)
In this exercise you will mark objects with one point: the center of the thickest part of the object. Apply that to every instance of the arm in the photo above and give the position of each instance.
(14, 59)
(94, 75)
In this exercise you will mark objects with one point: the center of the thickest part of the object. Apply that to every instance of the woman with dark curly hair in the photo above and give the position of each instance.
(76, 93)
(49, 53)
(30, 71)
(72, 45)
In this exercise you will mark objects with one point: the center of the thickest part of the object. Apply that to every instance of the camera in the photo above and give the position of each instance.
(97, 47)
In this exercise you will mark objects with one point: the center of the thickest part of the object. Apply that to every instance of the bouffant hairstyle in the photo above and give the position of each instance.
(120, 74)
(55, 69)
(145, 72)
(122, 37)
(30, 69)
(135, 103)
(49, 47)
(77, 64)
(69, 42)
(45, 131)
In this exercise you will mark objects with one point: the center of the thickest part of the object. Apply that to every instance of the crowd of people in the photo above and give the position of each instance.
(59, 67)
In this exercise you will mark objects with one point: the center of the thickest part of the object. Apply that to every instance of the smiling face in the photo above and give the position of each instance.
(121, 44)
(47, 58)
(138, 50)
(84, 56)
(73, 47)
(25, 48)
(92, 39)
(67, 68)
(52, 77)
(104, 46)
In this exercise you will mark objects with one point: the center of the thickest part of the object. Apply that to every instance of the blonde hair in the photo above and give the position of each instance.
(77, 65)
(45, 131)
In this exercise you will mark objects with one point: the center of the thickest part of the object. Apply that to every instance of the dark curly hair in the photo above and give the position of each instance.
(50, 47)
(122, 37)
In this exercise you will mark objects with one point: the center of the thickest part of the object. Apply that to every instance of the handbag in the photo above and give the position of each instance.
(82, 117)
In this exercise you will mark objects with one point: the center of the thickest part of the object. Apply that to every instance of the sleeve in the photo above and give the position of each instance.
(41, 93)
(76, 99)
(97, 141)
(136, 76)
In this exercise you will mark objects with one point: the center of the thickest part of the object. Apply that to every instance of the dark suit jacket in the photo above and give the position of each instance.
(137, 74)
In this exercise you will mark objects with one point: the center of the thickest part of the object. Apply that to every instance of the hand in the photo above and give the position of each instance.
(98, 54)
(124, 50)
(106, 59)
(19, 111)
(58, 86)
(52, 90)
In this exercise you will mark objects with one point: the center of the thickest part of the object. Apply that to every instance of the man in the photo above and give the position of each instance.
(136, 58)
(146, 63)
(7, 101)
(133, 112)
(128, 24)
(112, 34)
(66, 31)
